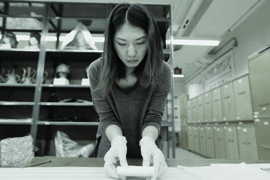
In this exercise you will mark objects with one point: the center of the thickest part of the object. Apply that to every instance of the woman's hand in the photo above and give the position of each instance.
(116, 153)
(152, 155)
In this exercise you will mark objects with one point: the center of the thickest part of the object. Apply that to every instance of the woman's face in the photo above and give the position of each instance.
(131, 44)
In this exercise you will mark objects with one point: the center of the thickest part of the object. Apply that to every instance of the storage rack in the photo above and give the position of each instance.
(39, 106)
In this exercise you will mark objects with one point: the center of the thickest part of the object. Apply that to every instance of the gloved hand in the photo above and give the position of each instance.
(116, 153)
(152, 155)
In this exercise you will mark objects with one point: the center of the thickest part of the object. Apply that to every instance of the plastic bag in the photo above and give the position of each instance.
(18, 151)
(65, 147)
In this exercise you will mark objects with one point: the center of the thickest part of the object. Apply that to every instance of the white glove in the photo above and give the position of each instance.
(152, 155)
(116, 153)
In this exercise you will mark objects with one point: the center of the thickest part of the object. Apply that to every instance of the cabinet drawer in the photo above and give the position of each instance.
(210, 148)
(260, 85)
(262, 129)
(231, 142)
(216, 104)
(247, 142)
(207, 100)
(242, 96)
(228, 104)
(219, 142)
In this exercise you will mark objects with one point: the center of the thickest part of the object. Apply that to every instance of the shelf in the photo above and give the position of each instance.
(64, 104)
(14, 103)
(61, 123)
(65, 86)
(27, 121)
(19, 85)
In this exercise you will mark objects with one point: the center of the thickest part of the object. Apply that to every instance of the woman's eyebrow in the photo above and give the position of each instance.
(122, 39)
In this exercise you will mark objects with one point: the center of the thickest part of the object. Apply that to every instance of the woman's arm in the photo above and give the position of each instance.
(150, 131)
(113, 131)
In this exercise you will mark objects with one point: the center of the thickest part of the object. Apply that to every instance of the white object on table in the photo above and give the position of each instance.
(135, 171)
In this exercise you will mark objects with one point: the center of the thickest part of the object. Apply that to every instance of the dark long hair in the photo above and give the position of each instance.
(112, 68)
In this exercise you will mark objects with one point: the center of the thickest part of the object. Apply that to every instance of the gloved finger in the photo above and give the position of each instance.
(160, 165)
(110, 170)
(123, 161)
(146, 160)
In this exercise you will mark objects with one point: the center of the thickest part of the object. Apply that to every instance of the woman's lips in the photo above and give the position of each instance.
(132, 61)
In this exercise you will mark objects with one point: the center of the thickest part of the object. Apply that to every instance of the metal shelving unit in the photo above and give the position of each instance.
(45, 113)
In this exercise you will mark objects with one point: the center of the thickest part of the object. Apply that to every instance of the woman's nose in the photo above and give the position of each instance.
(131, 51)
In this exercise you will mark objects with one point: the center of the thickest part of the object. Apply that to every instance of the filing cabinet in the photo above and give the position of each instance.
(219, 142)
(262, 129)
(195, 114)
(210, 148)
(196, 145)
(247, 141)
(243, 104)
(190, 138)
(227, 100)
(259, 72)
(207, 100)
(231, 142)
(183, 107)
(189, 111)
(184, 135)
(216, 105)
(200, 109)
(202, 140)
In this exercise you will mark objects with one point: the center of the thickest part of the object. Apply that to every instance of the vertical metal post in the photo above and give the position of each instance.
(172, 90)
(39, 80)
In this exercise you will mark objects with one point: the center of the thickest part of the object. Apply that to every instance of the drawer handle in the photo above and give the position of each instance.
(227, 97)
(267, 104)
(246, 143)
(265, 146)
(243, 92)
(230, 140)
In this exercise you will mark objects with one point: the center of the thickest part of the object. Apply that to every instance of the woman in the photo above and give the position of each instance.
(129, 87)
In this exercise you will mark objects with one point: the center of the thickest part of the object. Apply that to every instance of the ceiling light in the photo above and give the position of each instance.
(178, 75)
(194, 42)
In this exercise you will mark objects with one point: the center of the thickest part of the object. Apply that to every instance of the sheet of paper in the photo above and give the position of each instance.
(212, 172)
(73, 173)
(229, 171)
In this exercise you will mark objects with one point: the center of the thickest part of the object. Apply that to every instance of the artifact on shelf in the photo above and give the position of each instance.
(62, 75)
(28, 75)
(34, 41)
(8, 40)
(11, 76)
(79, 38)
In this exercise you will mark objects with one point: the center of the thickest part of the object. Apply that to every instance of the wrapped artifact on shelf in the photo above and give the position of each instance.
(79, 38)
(65, 147)
(17, 151)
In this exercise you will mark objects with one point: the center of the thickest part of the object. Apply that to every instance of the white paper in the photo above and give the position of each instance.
(229, 171)
(135, 171)
(74, 173)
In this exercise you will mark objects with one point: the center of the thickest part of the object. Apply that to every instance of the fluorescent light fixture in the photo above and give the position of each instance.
(178, 75)
(194, 42)
(21, 37)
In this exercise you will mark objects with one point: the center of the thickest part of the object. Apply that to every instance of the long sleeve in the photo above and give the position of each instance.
(158, 100)
(101, 103)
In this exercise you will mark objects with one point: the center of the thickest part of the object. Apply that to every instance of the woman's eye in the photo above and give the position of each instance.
(140, 43)
(121, 44)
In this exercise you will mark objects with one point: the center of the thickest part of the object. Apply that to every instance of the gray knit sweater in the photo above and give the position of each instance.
(131, 109)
